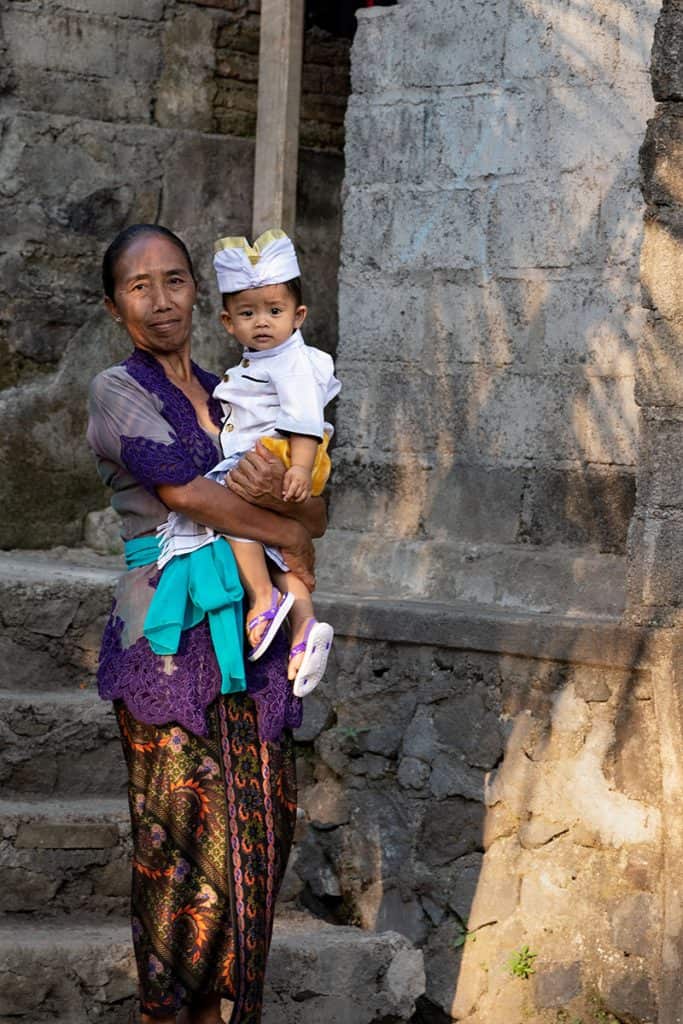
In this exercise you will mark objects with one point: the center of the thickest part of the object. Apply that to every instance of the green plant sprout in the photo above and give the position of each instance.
(463, 935)
(521, 963)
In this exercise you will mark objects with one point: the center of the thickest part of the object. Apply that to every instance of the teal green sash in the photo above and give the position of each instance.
(204, 582)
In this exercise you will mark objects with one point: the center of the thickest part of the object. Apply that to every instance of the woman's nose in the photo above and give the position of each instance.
(160, 298)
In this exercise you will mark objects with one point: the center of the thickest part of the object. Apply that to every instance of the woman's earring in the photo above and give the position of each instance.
(118, 319)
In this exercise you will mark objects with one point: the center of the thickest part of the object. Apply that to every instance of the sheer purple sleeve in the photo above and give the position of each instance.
(153, 463)
(129, 426)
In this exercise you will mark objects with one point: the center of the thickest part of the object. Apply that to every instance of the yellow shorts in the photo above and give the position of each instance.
(321, 467)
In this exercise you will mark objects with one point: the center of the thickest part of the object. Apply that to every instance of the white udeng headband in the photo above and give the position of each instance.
(270, 260)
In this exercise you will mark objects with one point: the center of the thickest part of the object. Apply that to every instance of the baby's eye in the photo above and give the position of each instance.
(246, 312)
(275, 310)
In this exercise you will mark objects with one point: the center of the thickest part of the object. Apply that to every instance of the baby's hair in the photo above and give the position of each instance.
(121, 243)
(293, 286)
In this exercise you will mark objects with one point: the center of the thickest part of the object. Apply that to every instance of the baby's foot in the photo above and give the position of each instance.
(263, 624)
(313, 650)
(297, 639)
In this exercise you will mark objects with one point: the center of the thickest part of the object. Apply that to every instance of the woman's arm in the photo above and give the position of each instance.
(258, 479)
(209, 503)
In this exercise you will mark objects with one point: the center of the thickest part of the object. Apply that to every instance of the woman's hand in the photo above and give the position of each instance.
(258, 479)
(300, 559)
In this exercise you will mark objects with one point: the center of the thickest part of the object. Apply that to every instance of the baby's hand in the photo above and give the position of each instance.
(296, 484)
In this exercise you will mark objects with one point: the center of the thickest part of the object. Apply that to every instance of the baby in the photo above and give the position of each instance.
(277, 394)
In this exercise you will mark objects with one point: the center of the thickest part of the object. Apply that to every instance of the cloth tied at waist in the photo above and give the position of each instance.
(202, 583)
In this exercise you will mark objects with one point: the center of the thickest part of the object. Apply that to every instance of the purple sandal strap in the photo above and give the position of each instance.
(268, 615)
(301, 646)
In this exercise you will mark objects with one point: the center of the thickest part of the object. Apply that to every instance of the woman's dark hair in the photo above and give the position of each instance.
(293, 286)
(121, 243)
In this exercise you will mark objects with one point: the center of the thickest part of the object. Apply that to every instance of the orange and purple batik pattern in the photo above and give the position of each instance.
(213, 819)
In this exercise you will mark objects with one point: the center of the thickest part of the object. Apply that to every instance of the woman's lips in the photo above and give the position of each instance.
(163, 326)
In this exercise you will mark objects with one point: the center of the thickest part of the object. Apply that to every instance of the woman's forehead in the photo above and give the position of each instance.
(150, 254)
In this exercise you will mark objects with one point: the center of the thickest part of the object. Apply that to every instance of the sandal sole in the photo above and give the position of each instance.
(312, 668)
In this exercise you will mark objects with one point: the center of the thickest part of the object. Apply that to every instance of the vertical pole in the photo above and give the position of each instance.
(277, 125)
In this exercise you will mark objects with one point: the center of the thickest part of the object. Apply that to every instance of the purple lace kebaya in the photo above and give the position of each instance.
(160, 690)
(137, 676)
(192, 453)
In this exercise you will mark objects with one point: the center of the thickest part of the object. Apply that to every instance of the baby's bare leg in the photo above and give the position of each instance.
(253, 569)
(302, 610)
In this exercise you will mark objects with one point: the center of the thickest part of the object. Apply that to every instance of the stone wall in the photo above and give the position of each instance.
(111, 113)
(656, 585)
(488, 783)
(490, 302)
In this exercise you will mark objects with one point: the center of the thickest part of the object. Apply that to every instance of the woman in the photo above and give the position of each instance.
(212, 786)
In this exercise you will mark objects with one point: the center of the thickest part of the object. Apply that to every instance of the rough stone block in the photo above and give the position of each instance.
(660, 482)
(451, 831)
(660, 155)
(74, 746)
(465, 43)
(546, 223)
(549, 39)
(66, 836)
(662, 263)
(557, 985)
(386, 142)
(82, 44)
(592, 507)
(656, 575)
(476, 503)
(415, 229)
(634, 924)
(659, 377)
(342, 975)
(377, 51)
(667, 68)
(593, 126)
(487, 136)
(185, 87)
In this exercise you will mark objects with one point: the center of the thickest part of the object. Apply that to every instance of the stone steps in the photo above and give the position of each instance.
(64, 743)
(65, 946)
(77, 970)
(64, 856)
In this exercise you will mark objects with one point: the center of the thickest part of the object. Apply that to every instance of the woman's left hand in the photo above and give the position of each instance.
(258, 479)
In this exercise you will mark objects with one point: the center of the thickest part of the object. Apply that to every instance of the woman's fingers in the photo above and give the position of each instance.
(301, 561)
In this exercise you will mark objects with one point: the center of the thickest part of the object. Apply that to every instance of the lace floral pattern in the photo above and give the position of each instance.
(156, 696)
(192, 453)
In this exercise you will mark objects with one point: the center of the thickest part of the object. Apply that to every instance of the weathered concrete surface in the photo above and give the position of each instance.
(489, 294)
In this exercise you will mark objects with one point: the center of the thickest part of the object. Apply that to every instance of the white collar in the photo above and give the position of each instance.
(292, 342)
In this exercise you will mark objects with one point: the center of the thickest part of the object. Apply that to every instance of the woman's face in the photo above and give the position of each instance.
(154, 294)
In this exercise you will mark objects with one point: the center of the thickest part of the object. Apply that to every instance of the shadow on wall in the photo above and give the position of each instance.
(515, 792)
(490, 307)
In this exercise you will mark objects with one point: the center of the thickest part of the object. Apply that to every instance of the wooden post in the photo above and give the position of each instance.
(277, 125)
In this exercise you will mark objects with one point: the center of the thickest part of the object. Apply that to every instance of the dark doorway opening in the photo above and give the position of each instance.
(339, 18)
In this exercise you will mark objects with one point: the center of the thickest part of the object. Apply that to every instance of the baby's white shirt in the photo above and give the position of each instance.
(276, 391)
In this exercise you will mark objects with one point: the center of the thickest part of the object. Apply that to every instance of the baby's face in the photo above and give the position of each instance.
(262, 318)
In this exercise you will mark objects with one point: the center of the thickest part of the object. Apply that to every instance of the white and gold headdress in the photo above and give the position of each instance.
(270, 260)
